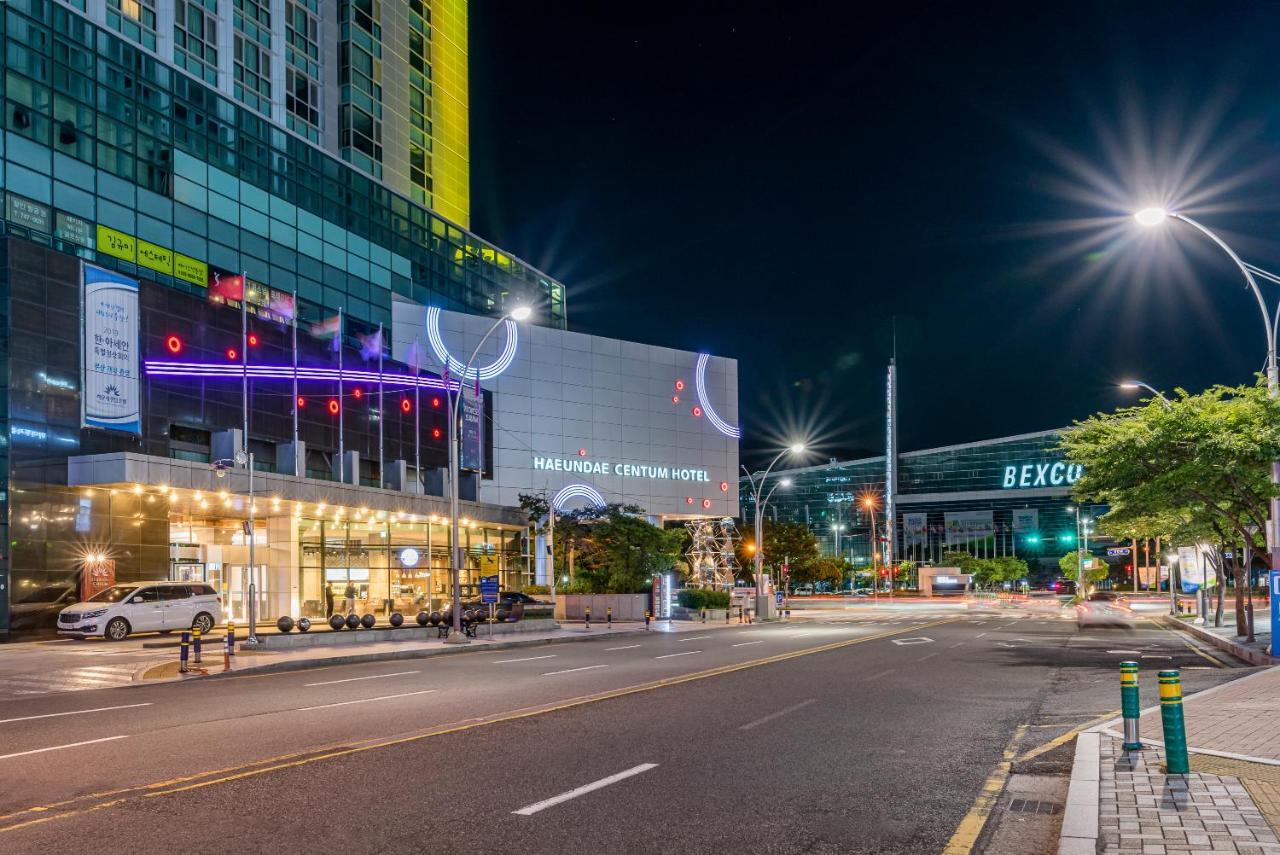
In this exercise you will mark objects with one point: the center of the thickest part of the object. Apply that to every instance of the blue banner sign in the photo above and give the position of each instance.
(489, 589)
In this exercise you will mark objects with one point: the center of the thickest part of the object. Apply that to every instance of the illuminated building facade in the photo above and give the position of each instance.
(1001, 497)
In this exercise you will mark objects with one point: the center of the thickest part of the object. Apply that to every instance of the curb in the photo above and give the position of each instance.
(1079, 834)
(140, 678)
(1245, 654)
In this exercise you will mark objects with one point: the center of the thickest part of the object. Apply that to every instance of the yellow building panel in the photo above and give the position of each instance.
(450, 119)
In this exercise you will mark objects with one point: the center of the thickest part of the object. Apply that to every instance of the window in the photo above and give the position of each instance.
(195, 38)
(136, 19)
(174, 592)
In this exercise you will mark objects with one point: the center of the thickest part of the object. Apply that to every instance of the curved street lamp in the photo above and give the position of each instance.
(519, 313)
(1138, 384)
(1155, 216)
(756, 488)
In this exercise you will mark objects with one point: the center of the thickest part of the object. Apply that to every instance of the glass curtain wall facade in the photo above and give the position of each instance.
(122, 158)
(1008, 496)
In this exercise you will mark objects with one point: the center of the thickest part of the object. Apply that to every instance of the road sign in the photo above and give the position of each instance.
(488, 589)
(1118, 550)
(777, 595)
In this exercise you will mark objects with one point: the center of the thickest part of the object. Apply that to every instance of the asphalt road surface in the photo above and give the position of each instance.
(852, 730)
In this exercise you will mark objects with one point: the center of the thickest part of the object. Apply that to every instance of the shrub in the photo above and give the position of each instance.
(717, 599)
(703, 598)
(537, 589)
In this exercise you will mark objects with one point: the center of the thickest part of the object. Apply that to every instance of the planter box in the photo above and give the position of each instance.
(629, 607)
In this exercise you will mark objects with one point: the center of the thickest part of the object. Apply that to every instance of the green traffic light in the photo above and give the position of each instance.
(1033, 538)
(1067, 538)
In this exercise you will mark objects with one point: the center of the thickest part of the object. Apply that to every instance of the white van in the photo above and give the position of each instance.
(143, 607)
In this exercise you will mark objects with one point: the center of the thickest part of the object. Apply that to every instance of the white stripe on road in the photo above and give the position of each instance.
(365, 700)
(583, 790)
(72, 712)
(524, 659)
(624, 647)
(778, 714)
(686, 653)
(745, 643)
(60, 747)
(571, 670)
(354, 679)
(930, 656)
(694, 638)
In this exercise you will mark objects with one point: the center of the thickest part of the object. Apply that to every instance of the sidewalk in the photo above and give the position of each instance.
(1256, 652)
(1230, 802)
(257, 662)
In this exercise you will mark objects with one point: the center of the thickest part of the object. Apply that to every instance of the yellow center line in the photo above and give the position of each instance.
(970, 828)
(1185, 639)
(303, 758)
(1066, 737)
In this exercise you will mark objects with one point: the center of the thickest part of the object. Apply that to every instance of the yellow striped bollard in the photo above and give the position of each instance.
(1175, 731)
(183, 652)
(1129, 706)
(195, 643)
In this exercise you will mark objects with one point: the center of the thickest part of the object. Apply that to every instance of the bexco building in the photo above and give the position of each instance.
(1007, 496)
(190, 278)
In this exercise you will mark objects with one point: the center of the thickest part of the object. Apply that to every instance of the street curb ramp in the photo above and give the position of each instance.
(1079, 834)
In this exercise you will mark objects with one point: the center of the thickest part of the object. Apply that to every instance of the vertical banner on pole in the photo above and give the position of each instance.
(1273, 587)
(890, 466)
(109, 368)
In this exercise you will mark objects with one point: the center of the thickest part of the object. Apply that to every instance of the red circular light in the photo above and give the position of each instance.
(724, 486)
(253, 341)
(231, 353)
(675, 399)
(706, 503)
(435, 433)
(688, 500)
(174, 344)
(697, 412)
(358, 393)
(435, 402)
(302, 402)
(334, 406)
(582, 452)
(405, 405)
(679, 385)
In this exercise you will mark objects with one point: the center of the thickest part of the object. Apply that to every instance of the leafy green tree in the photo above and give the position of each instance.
(788, 542)
(1201, 462)
(1094, 570)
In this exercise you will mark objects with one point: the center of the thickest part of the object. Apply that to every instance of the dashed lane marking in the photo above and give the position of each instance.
(530, 810)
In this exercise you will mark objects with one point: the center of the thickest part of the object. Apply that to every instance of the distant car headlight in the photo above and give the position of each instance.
(95, 613)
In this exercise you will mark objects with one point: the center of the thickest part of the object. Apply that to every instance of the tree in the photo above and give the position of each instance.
(1094, 571)
(1200, 459)
(788, 542)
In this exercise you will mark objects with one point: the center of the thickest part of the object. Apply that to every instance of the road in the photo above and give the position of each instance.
(856, 730)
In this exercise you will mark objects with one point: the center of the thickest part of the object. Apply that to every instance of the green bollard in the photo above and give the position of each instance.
(1129, 706)
(1175, 731)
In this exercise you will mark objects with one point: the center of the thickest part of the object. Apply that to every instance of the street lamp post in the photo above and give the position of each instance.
(756, 488)
(519, 313)
(870, 505)
(836, 529)
(220, 469)
(1156, 216)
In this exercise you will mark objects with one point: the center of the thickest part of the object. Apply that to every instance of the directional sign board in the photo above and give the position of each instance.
(488, 589)
(1118, 550)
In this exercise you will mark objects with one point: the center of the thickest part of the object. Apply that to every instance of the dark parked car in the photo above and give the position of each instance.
(38, 609)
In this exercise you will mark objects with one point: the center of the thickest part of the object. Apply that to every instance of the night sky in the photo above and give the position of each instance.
(779, 182)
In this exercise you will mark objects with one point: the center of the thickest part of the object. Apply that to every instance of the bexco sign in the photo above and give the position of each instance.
(1056, 474)
(626, 470)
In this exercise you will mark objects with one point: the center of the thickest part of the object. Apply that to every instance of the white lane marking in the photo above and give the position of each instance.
(930, 656)
(745, 643)
(523, 659)
(979, 635)
(354, 679)
(879, 675)
(584, 789)
(778, 714)
(624, 647)
(72, 712)
(907, 642)
(1127, 652)
(364, 700)
(954, 646)
(60, 747)
(686, 653)
(571, 670)
(694, 638)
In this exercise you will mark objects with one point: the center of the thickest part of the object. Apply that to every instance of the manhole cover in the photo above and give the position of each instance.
(1033, 806)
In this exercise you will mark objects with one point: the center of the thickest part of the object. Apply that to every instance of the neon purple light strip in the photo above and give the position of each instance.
(161, 368)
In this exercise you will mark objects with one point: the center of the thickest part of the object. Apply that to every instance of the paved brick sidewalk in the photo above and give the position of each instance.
(1143, 810)
(1235, 718)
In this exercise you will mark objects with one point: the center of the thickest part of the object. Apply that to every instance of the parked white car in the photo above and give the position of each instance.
(143, 607)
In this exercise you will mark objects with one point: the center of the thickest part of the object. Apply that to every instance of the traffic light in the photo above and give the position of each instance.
(1067, 537)
(1034, 538)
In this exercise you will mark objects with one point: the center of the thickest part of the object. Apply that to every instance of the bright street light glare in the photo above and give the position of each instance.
(521, 313)
(1128, 384)
(1151, 216)
(797, 448)
(785, 482)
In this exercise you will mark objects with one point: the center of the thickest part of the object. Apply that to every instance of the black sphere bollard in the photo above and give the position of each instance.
(503, 614)
(304, 624)
(285, 624)
(423, 618)
(436, 617)
(337, 622)
(368, 621)
(467, 617)
(353, 621)
(396, 619)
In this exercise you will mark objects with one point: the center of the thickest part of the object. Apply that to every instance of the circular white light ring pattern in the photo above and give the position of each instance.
(456, 368)
(578, 491)
(700, 381)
